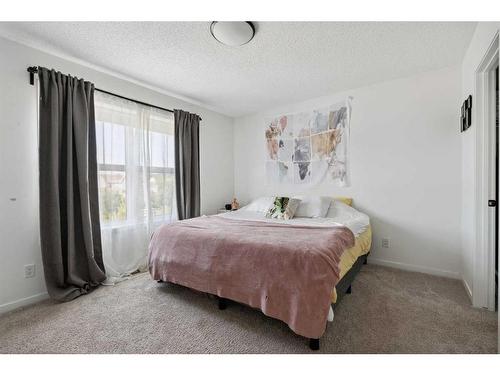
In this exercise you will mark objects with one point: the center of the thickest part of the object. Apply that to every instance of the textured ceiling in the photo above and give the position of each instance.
(285, 62)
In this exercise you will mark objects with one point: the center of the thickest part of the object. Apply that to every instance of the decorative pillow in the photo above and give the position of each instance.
(283, 208)
(313, 206)
(261, 204)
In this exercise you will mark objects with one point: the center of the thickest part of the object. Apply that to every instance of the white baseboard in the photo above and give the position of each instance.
(23, 302)
(414, 268)
(467, 289)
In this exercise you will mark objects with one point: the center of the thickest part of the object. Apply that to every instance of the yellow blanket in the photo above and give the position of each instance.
(349, 257)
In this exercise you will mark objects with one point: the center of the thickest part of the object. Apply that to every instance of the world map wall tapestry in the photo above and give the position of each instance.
(309, 147)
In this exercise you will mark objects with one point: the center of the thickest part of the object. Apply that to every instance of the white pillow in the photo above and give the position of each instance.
(338, 208)
(313, 206)
(261, 204)
(344, 214)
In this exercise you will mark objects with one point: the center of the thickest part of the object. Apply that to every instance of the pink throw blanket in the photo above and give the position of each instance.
(287, 271)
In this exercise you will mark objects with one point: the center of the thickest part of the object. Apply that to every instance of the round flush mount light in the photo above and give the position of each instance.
(232, 33)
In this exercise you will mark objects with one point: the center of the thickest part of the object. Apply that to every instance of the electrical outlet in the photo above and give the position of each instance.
(29, 271)
(386, 243)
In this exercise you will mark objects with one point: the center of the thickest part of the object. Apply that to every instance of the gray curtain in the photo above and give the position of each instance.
(69, 212)
(187, 164)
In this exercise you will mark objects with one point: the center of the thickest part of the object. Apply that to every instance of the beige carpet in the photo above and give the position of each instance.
(390, 311)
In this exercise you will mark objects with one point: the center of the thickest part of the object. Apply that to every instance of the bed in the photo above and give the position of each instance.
(245, 257)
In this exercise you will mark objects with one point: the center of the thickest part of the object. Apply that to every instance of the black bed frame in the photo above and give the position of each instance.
(343, 287)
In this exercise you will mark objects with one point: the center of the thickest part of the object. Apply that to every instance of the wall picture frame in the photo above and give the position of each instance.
(466, 114)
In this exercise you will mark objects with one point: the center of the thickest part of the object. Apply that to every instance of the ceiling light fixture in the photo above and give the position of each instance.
(232, 33)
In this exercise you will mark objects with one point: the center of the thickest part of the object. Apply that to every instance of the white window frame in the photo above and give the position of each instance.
(109, 167)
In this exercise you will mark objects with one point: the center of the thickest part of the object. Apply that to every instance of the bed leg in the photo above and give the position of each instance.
(349, 290)
(314, 344)
(222, 303)
(365, 261)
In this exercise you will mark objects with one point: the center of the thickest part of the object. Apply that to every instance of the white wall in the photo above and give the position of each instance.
(19, 226)
(483, 36)
(405, 166)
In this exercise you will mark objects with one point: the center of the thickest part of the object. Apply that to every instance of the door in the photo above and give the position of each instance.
(496, 189)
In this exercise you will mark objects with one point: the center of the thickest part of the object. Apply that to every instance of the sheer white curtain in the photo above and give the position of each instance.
(135, 153)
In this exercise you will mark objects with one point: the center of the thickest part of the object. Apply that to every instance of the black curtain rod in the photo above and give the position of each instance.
(34, 70)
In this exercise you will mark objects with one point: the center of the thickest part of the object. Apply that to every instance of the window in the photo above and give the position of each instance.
(136, 166)
(162, 178)
(111, 168)
(136, 162)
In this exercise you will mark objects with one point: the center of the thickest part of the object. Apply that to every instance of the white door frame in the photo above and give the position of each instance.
(484, 109)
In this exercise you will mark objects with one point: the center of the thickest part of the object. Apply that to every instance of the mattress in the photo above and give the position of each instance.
(339, 213)
(361, 247)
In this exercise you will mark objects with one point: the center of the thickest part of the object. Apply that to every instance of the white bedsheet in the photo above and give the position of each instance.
(339, 213)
